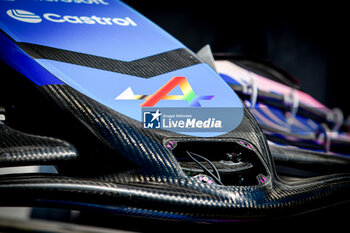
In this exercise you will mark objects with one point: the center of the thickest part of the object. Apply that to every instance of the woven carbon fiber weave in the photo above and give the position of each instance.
(160, 188)
(17, 149)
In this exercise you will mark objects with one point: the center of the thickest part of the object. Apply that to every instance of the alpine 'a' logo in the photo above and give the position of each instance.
(24, 16)
(162, 94)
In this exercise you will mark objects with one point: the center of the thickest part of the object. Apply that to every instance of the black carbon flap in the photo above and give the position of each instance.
(19, 149)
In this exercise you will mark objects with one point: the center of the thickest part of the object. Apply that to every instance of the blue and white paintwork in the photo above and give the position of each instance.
(109, 29)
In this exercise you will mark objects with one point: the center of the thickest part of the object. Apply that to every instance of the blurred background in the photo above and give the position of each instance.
(308, 40)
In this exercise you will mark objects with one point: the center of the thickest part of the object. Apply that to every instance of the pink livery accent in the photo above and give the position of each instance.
(244, 77)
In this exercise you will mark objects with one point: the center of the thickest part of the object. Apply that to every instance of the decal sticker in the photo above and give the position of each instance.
(162, 94)
(24, 16)
(29, 17)
(117, 57)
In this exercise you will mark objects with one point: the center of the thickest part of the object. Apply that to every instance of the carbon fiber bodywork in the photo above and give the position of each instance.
(20, 149)
(127, 169)
(159, 188)
(145, 67)
(313, 161)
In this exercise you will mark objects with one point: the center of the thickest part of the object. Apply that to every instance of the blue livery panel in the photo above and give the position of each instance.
(114, 55)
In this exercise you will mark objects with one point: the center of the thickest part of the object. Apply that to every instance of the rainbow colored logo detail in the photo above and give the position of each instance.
(162, 94)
